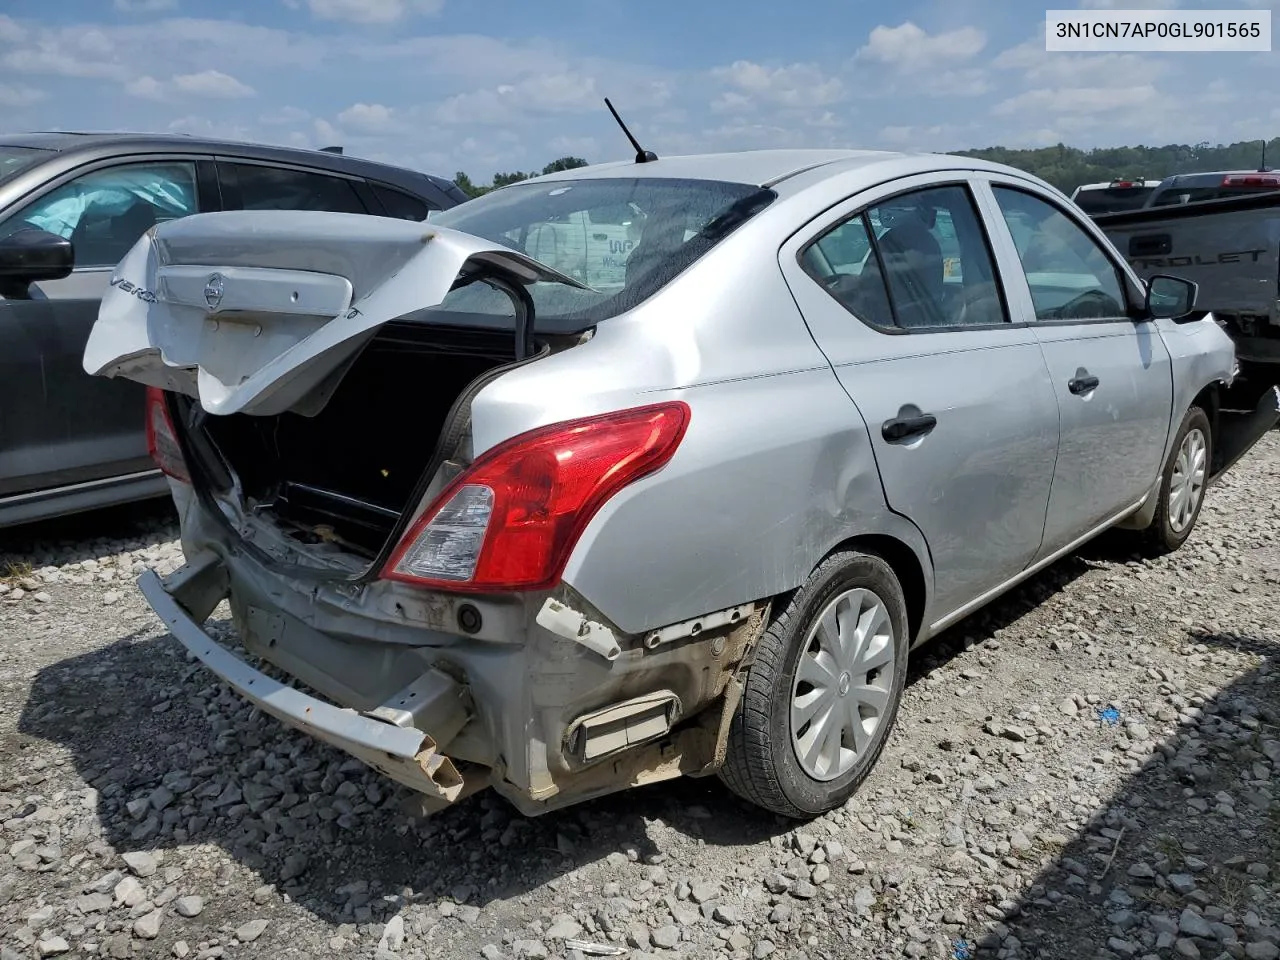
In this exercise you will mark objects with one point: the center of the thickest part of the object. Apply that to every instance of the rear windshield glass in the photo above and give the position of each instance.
(624, 238)
(1112, 199)
(13, 160)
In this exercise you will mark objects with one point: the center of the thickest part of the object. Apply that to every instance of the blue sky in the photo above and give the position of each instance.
(502, 85)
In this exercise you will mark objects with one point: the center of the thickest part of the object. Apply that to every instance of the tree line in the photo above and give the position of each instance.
(473, 189)
(1064, 167)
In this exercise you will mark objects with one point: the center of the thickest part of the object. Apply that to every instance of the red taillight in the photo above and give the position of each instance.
(1251, 181)
(511, 519)
(162, 439)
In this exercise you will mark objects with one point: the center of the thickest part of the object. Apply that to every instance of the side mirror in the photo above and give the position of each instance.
(1170, 298)
(30, 255)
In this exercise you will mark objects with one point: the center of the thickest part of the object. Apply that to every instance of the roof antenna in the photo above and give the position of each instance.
(642, 155)
(1263, 168)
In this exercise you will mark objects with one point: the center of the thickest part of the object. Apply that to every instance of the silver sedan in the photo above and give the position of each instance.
(650, 469)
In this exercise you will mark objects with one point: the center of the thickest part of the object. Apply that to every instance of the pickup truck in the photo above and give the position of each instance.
(1228, 244)
(1113, 196)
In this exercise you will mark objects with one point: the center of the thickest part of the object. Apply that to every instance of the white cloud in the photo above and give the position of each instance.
(147, 87)
(1081, 101)
(800, 84)
(552, 94)
(212, 83)
(201, 126)
(908, 48)
(18, 96)
(1065, 69)
(208, 84)
(327, 132)
(145, 6)
(929, 137)
(10, 30)
(372, 11)
(369, 117)
(284, 115)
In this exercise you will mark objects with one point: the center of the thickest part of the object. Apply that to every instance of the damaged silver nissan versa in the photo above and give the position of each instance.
(650, 469)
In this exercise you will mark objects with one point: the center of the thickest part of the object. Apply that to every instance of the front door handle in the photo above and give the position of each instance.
(904, 428)
(1079, 385)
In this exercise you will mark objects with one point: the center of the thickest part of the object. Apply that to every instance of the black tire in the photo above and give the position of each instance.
(761, 765)
(1161, 537)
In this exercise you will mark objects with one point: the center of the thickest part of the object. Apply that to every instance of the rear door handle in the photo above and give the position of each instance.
(904, 428)
(1079, 385)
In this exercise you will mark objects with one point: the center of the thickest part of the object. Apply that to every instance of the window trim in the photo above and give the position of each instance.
(376, 185)
(966, 183)
(24, 202)
(1128, 286)
(229, 179)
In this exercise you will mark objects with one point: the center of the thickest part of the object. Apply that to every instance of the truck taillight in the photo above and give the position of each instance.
(1251, 180)
(510, 521)
(162, 439)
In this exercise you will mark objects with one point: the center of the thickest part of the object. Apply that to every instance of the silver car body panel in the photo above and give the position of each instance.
(783, 462)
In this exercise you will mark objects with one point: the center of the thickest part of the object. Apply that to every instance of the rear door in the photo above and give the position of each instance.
(1111, 370)
(898, 286)
(58, 426)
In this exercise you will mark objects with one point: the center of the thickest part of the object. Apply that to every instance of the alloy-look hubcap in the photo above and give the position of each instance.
(1186, 486)
(843, 681)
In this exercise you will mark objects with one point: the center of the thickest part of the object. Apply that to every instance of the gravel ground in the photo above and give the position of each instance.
(1087, 769)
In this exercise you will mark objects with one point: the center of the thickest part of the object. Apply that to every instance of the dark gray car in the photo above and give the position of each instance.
(71, 206)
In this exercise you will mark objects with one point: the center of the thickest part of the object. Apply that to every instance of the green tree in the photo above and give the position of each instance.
(466, 186)
(564, 163)
(1068, 167)
(473, 189)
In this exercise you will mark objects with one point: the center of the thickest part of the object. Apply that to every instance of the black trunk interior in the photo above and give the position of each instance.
(353, 467)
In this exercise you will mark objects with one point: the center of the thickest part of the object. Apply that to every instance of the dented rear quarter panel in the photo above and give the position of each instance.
(775, 469)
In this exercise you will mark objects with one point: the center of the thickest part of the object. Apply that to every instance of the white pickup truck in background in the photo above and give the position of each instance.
(1222, 231)
(1113, 196)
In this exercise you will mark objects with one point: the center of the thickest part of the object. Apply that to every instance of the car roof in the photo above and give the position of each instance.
(765, 167)
(105, 144)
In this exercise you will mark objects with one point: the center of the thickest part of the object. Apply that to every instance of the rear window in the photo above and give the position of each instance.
(13, 160)
(1112, 199)
(625, 238)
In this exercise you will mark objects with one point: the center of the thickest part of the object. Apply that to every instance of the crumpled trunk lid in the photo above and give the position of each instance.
(258, 312)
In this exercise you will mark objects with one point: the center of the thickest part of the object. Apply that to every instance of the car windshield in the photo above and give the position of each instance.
(13, 160)
(624, 238)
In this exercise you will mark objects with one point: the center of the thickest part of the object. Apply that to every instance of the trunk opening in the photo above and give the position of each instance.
(347, 474)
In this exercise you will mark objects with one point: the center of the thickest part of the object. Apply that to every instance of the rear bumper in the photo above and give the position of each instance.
(390, 739)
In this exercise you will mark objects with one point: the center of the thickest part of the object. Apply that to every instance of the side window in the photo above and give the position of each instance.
(105, 212)
(278, 188)
(917, 261)
(399, 204)
(1070, 276)
(843, 261)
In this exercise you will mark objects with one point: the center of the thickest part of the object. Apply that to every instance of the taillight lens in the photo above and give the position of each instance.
(510, 521)
(162, 439)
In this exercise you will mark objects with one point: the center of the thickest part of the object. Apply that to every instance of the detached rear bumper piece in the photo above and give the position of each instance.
(401, 751)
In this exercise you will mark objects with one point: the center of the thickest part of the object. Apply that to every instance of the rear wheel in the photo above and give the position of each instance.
(1182, 485)
(822, 693)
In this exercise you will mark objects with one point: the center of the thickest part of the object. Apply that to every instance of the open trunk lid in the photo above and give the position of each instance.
(259, 312)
